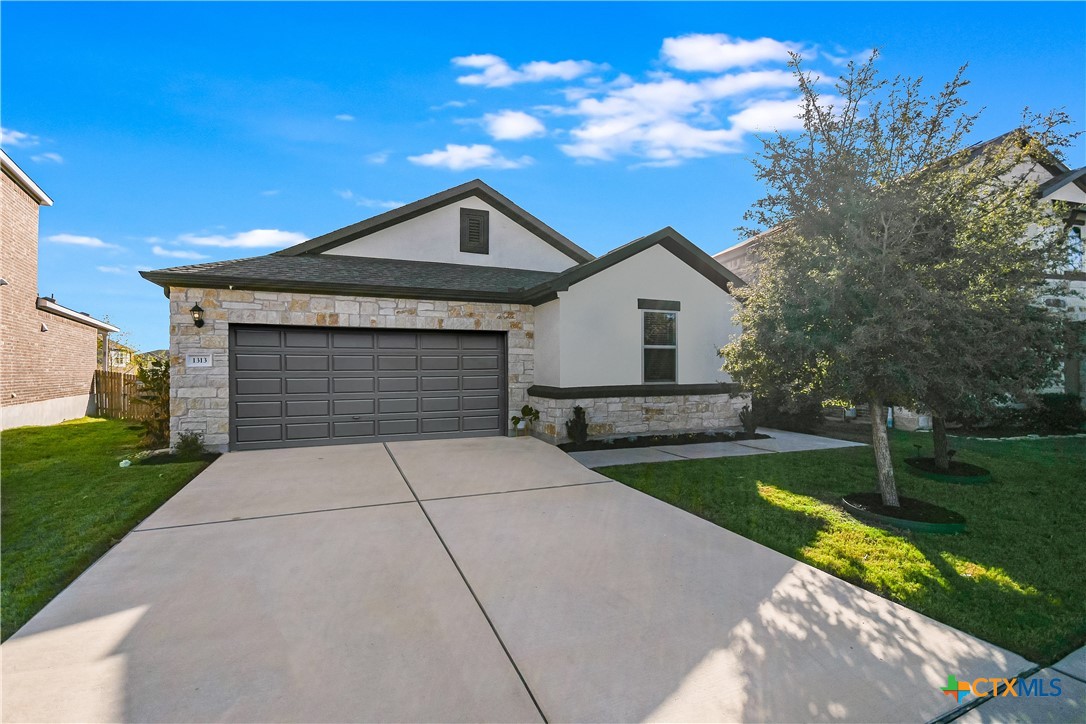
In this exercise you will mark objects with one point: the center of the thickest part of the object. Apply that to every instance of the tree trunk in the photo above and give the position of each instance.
(940, 443)
(880, 442)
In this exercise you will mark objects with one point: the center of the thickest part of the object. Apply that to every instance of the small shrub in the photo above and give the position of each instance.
(527, 414)
(1059, 412)
(749, 420)
(190, 444)
(577, 426)
(154, 385)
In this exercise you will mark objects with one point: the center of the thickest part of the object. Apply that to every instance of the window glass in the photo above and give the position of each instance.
(659, 364)
(659, 353)
(660, 328)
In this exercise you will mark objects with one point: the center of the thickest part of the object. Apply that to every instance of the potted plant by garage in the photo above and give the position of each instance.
(522, 423)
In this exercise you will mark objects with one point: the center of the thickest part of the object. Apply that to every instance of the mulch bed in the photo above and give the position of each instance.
(620, 443)
(911, 509)
(957, 468)
(171, 458)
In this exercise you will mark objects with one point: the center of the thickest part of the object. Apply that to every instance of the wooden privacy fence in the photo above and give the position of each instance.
(116, 394)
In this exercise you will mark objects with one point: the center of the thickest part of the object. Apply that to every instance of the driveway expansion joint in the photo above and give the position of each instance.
(518, 490)
(464, 578)
(272, 515)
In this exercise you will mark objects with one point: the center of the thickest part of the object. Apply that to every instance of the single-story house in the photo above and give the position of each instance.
(443, 318)
(1055, 182)
(48, 352)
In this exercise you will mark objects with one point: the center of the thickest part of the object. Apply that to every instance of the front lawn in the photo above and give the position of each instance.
(1014, 579)
(65, 502)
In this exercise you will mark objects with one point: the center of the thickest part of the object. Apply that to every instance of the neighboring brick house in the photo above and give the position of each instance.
(1056, 182)
(48, 353)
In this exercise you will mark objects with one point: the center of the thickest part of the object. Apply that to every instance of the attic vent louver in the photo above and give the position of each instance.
(474, 231)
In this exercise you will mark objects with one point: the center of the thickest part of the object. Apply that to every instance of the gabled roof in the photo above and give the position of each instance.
(1054, 184)
(25, 182)
(667, 237)
(48, 304)
(472, 188)
(356, 276)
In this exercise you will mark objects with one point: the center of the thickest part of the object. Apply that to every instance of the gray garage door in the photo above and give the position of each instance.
(295, 386)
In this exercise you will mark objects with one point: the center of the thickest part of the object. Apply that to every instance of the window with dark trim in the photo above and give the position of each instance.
(659, 349)
(475, 231)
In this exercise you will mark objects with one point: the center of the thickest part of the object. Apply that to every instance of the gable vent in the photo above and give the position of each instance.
(474, 231)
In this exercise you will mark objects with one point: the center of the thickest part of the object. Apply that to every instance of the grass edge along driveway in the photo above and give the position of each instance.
(1014, 579)
(65, 501)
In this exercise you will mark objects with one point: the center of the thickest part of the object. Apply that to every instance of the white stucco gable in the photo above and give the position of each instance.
(433, 230)
(435, 236)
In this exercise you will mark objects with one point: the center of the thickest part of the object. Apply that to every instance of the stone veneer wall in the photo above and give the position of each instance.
(609, 416)
(200, 397)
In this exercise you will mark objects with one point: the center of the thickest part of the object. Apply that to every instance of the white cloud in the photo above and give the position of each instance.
(451, 104)
(378, 157)
(111, 269)
(368, 203)
(17, 139)
(770, 115)
(177, 253)
(495, 72)
(717, 52)
(666, 120)
(50, 157)
(91, 242)
(459, 158)
(841, 57)
(512, 126)
(344, 117)
(270, 192)
(256, 238)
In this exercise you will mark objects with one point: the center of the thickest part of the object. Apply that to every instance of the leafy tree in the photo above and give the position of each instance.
(888, 240)
(154, 382)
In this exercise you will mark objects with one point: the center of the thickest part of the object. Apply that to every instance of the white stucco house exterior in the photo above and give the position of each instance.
(443, 318)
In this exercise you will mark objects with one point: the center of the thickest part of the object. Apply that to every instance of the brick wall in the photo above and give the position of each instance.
(35, 365)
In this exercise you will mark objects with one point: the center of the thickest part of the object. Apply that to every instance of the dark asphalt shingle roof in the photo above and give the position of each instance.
(356, 275)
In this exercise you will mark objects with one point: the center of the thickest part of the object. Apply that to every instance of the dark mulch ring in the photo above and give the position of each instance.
(619, 443)
(957, 468)
(167, 458)
(911, 509)
(998, 432)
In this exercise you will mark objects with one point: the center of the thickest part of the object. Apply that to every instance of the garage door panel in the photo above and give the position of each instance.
(440, 404)
(258, 362)
(305, 338)
(353, 407)
(398, 427)
(398, 384)
(482, 402)
(307, 408)
(352, 340)
(346, 385)
(250, 410)
(342, 362)
(307, 385)
(259, 433)
(307, 430)
(295, 386)
(440, 424)
(355, 428)
(258, 337)
(303, 362)
(437, 384)
(481, 382)
(397, 405)
(481, 422)
(259, 386)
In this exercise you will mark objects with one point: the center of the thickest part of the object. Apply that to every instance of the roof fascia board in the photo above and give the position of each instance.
(476, 188)
(25, 182)
(48, 305)
(197, 281)
(673, 241)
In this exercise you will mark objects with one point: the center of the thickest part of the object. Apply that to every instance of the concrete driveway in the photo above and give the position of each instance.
(491, 579)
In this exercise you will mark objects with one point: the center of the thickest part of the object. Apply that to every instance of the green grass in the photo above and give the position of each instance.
(65, 502)
(1015, 578)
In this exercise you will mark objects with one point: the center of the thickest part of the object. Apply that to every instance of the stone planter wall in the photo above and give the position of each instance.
(610, 416)
(200, 397)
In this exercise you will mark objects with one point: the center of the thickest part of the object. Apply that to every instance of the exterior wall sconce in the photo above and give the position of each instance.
(44, 328)
(197, 315)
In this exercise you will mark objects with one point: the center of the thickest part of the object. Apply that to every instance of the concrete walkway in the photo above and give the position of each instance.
(490, 579)
(778, 441)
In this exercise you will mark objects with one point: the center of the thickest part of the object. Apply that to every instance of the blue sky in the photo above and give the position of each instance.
(174, 133)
